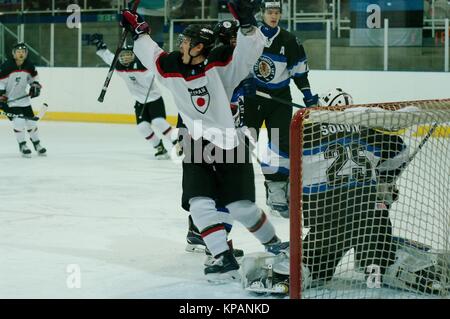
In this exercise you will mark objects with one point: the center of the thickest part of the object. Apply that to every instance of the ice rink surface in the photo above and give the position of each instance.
(101, 204)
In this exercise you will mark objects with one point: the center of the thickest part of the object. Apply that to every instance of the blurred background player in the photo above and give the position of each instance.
(346, 204)
(149, 107)
(16, 75)
(202, 80)
(283, 59)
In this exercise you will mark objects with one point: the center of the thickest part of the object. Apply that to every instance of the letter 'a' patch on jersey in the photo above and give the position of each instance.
(200, 99)
(264, 69)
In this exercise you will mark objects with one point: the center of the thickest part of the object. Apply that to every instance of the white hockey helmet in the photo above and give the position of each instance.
(335, 97)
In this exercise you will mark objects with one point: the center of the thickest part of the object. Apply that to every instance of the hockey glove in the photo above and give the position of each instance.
(237, 110)
(134, 23)
(249, 86)
(35, 89)
(97, 40)
(244, 12)
(309, 99)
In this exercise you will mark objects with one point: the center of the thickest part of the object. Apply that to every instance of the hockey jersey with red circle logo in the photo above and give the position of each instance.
(203, 92)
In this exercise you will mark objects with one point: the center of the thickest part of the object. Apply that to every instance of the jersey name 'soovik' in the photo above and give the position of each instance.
(203, 92)
(283, 58)
(15, 80)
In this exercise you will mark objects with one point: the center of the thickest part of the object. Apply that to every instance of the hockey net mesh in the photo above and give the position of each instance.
(369, 183)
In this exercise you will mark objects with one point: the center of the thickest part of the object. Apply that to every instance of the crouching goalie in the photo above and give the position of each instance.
(349, 185)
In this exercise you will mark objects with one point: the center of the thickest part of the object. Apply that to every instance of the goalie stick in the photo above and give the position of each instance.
(116, 57)
(276, 99)
(39, 116)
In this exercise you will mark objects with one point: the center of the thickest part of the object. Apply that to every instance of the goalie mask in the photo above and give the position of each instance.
(126, 56)
(335, 97)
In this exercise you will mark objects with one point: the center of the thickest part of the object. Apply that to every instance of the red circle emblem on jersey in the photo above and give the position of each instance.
(201, 102)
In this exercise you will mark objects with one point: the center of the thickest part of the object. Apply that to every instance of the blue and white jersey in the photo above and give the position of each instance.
(283, 59)
(348, 156)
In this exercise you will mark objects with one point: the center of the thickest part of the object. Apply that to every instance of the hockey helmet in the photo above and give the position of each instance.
(126, 55)
(199, 33)
(271, 4)
(335, 97)
(20, 46)
(226, 30)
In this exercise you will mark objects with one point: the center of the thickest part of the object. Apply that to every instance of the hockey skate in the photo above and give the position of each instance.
(224, 269)
(238, 254)
(266, 273)
(276, 198)
(161, 152)
(24, 150)
(41, 151)
(195, 243)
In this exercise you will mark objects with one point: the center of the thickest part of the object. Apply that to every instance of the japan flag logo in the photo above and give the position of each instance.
(200, 99)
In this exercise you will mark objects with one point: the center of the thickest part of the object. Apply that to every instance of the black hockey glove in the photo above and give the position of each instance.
(97, 40)
(249, 86)
(3, 98)
(134, 23)
(244, 12)
(3, 103)
(35, 89)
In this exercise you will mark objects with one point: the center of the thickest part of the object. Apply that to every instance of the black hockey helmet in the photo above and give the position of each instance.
(199, 33)
(20, 46)
(126, 55)
(271, 4)
(225, 30)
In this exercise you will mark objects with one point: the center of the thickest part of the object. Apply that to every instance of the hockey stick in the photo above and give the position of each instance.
(39, 116)
(422, 143)
(19, 98)
(116, 57)
(276, 99)
(146, 97)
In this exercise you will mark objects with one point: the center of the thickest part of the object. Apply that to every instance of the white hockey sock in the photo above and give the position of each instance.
(207, 219)
(146, 130)
(19, 129)
(32, 130)
(164, 127)
(247, 213)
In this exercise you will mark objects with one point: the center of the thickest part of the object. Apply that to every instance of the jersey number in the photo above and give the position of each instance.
(361, 170)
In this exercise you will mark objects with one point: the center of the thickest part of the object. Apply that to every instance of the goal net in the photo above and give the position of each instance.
(370, 201)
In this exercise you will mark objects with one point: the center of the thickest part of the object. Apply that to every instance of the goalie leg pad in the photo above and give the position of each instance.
(419, 271)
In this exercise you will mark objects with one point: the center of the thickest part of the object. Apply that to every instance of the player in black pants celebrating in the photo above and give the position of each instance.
(16, 75)
(217, 166)
(283, 59)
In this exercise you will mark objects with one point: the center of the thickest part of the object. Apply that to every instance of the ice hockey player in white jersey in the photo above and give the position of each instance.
(149, 107)
(346, 204)
(217, 166)
(16, 76)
